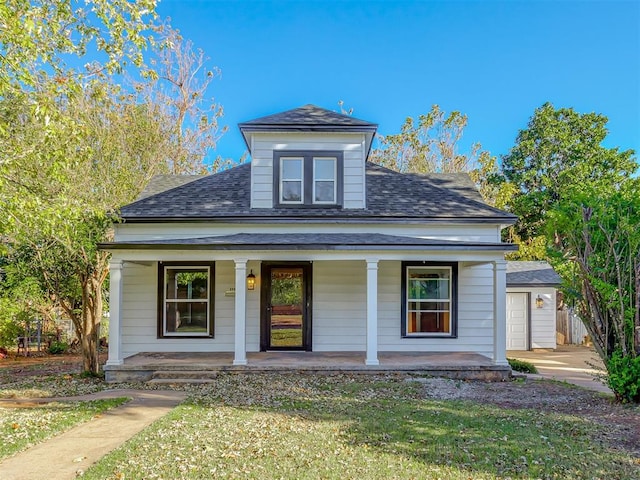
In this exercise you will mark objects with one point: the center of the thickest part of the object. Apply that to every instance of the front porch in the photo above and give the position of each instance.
(183, 367)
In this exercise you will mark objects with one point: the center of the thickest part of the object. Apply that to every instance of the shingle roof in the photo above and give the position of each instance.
(307, 115)
(539, 274)
(390, 195)
(310, 241)
(308, 118)
(162, 183)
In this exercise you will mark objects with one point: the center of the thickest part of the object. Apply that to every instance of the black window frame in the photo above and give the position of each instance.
(308, 180)
(453, 302)
(161, 299)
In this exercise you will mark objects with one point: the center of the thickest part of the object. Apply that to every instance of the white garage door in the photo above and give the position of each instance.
(517, 331)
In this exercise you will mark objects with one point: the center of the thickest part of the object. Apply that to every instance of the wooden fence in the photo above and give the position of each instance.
(570, 329)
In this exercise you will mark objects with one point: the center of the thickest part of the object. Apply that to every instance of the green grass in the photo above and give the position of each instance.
(522, 366)
(286, 337)
(306, 427)
(21, 428)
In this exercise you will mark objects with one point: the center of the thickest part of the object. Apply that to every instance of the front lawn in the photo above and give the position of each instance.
(343, 427)
(23, 426)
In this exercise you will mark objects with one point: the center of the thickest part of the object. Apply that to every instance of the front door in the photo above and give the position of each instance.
(286, 306)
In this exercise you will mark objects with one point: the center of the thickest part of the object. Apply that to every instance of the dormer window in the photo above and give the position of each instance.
(292, 180)
(308, 178)
(324, 179)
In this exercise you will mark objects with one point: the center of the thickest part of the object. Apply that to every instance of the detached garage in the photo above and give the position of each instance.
(531, 305)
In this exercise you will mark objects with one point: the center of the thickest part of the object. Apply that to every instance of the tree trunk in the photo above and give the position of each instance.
(91, 318)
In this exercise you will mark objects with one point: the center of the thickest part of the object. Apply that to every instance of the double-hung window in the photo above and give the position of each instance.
(291, 180)
(186, 300)
(308, 178)
(324, 179)
(429, 300)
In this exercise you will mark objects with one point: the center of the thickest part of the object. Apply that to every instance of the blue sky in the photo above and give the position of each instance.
(494, 61)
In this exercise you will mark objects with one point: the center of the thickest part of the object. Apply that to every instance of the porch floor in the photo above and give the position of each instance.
(150, 365)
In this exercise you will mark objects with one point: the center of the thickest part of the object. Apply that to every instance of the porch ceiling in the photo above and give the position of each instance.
(308, 241)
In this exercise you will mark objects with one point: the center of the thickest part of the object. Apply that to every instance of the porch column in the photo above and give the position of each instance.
(500, 312)
(115, 312)
(240, 357)
(372, 312)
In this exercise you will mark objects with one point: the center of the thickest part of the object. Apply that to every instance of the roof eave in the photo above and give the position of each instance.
(111, 246)
(368, 130)
(323, 219)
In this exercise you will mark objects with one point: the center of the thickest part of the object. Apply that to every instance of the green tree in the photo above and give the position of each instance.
(578, 204)
(40, 39)
(431, 144)
(21, 299)
(559, 151)
(596, 237)
(76, 146)
(56, 211)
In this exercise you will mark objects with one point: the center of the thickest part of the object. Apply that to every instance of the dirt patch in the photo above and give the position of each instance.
(24, 404)
(17, 366)
(621, 422)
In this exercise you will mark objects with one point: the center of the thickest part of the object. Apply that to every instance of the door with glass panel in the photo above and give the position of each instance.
(286, 306)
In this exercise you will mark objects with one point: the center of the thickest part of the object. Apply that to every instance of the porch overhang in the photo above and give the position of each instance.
(310, 241)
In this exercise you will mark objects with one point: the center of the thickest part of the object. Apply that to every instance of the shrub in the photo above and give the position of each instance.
(10, 326)
(522, 366)
(58, 347)
(624, 377)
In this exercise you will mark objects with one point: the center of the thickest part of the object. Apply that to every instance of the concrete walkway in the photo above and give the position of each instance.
(568, 363)
(64, 456)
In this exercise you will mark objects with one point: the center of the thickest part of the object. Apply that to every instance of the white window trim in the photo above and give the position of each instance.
(447, 301)
(334, 180)
(283, 179)
(165, 300)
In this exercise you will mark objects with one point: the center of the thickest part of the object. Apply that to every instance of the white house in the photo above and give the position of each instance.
(308, 247)
(531, 305)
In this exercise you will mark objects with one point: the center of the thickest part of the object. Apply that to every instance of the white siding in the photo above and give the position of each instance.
(338, 311)
(339, 306)
(457, 232)
(542, 330)
(475, 313)
(139, 314)
(352, 145)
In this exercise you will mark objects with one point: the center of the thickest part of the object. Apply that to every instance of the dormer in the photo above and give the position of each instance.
(308, 157)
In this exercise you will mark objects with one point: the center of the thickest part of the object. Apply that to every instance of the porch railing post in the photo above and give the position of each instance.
(115, 313)
(240, 357)
(372, 312)
(500, 312)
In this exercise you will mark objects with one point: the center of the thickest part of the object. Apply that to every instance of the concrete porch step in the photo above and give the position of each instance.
(183, 376)
(180, 381)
